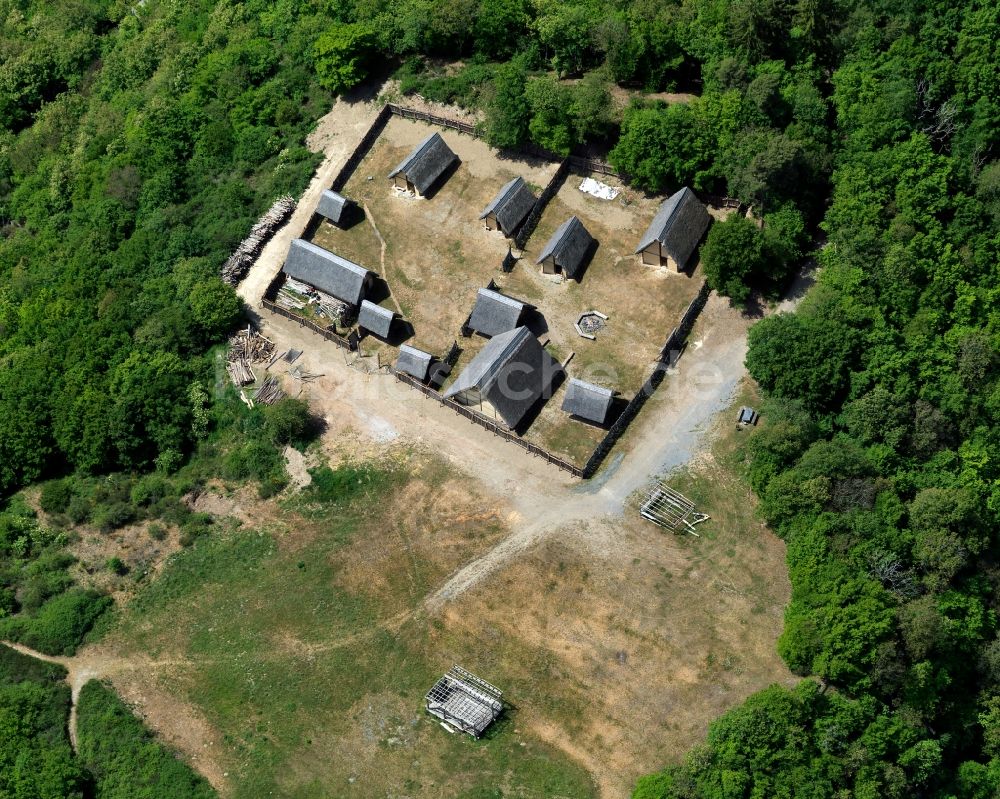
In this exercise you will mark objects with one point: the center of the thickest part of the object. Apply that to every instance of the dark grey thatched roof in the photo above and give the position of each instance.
(413, 362)
(569, 245)
(678, 226)
(426, 163)
(495, 313)
(512, 371)
(375, 319)
(511, 206)
(587, 400)
(326, 271)
(331, 205)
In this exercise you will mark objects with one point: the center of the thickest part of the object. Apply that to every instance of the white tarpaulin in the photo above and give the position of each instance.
(600, 190)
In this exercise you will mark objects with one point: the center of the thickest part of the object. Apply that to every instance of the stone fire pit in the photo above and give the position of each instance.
(589, 323)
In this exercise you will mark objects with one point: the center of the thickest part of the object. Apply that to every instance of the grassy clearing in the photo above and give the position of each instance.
(305, 655)
(437, 251)
(643, 305)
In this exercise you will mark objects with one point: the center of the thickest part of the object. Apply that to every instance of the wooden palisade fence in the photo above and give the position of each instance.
(489, 424)
(674, 343)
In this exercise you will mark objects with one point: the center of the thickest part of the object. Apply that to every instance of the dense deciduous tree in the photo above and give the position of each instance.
(662, 147)
(342, 55)
(733, 255)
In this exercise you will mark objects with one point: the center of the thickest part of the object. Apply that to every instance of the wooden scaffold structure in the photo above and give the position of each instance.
(464, 701)
(670, 509)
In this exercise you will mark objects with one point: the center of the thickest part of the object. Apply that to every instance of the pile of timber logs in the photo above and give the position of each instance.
(269, 392)
(241, 373)
(249, 345)
(238, 264)
(333, 309)
(296, 295)
(245, 348)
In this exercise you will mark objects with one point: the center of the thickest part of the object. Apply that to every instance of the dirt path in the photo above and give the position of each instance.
(668, 433)
(381, 257)
(336, 135)
(88, 664)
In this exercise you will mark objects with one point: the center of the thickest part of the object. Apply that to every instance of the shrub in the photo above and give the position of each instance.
(272, 485)
(8, 602)
(111, 517)
(197, 525)
(150, 490)
(157, 532)
(288, 421)
(124, 757)
(118, 566)
(60, 624)
(79, 509)
(253, 459)
(171, 510)
(46, 577)
(56, 496)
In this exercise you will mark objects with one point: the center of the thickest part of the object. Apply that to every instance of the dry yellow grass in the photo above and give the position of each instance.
(623, 653)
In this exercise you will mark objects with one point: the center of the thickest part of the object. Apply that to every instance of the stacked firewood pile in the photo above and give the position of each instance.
(240, 373)
(245, 348)
(238, 264)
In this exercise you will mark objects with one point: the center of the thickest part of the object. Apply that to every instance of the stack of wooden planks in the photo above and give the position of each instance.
(269, 392)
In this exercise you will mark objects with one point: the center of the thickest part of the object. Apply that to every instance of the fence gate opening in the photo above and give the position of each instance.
(670, 509)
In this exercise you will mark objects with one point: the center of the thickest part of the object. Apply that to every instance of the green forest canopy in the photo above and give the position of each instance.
(138, 142)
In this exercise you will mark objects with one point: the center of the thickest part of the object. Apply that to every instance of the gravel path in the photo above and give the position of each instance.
(668, 432)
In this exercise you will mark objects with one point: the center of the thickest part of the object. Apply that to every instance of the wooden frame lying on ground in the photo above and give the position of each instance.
(670, 509)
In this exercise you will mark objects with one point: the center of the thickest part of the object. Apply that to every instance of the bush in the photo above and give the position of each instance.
(289, 421)
(8, 602)
(272, 485)
(197, 525)
(44, 578)
(254, 459)
(110, 517)
(118, 566)
(56, 496)
(124, 757)
(60, 624)
(36, 759)
(79, 509)
(157, 532)
(171, 510)
(150, 489)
